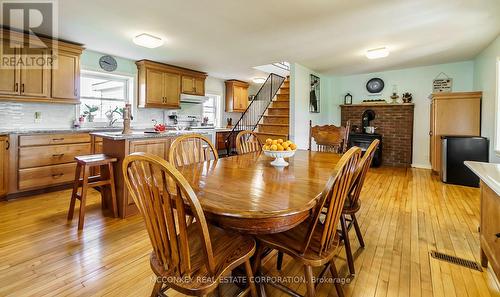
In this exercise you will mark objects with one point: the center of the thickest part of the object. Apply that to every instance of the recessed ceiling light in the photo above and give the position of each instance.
(377, 53)
(148, 41)
(259, 80)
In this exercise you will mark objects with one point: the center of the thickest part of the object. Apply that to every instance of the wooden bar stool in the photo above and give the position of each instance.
(105, 180)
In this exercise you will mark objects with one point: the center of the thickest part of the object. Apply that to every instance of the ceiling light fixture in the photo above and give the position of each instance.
(259, 80)
(148, 41)
(377, 53)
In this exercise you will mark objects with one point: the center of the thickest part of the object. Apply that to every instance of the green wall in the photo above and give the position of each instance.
(487, 80)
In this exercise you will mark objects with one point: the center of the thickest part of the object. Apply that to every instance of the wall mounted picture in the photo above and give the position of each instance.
(314, 97)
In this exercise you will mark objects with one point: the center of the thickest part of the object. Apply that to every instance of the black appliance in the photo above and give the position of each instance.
(457, 149)
(367, 117)
(363, 141)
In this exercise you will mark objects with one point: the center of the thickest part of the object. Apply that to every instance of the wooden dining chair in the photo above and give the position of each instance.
(329, 138)
(314, 243)
(247, 142)
(191, 148)
(352, 203)
(189, 259)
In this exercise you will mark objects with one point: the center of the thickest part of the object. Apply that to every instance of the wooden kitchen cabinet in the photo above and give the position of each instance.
(9, 77)
(35, 80)
(452, 114)
(56, 83)
(236, 96)
(4, 165)
(193, 85)
(66, 76)
(161, 85)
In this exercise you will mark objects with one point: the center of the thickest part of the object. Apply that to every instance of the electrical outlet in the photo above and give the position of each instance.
(38, 116)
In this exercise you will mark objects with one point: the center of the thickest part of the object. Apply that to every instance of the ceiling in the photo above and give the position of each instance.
(226, 38)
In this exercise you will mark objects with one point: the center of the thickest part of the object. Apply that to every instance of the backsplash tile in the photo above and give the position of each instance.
(22, 115)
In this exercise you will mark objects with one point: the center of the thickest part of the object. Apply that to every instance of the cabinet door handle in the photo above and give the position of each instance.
(16, 87)
(57, 155)
(497, 235)
(57, 175)
(8, 146)
(76, 93)
(22, 88)
(57, 139)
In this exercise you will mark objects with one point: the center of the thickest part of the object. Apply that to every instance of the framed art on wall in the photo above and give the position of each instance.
(314, 95)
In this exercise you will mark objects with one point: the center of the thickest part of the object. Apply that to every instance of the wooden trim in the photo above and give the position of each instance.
(19, 37)
(377, 104)
(170, 68)
(456, 95)
(39, 99)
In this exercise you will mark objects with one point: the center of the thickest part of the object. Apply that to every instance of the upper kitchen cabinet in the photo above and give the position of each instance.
(193, 85)
(236, 95)
(46, 74)
(161, 85)
(66, 76)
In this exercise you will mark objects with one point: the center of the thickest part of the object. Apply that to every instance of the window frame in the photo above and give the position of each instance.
(217, 106)
(130, 80)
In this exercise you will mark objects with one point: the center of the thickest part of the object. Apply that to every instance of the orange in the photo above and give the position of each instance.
(274, 147)
(280, 147)
(269, 141)
(285, 145)
(280, 141)
(288, 148)
(293, 146)
(275, 142)
(265, 147)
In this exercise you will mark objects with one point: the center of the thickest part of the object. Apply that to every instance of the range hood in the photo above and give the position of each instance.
(186, 98)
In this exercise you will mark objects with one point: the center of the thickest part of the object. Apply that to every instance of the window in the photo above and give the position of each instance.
(104, 93)
(211, 109)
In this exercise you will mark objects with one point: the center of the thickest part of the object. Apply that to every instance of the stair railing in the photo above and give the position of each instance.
(256, 109)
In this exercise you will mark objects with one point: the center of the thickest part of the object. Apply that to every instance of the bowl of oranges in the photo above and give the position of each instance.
(279, 149)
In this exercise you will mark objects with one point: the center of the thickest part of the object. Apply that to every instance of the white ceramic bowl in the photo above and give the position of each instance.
(279, 156)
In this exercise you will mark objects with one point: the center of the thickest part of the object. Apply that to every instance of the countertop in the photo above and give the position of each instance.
(55, 130)
(489, 173)
(141, 135)
(85, 130)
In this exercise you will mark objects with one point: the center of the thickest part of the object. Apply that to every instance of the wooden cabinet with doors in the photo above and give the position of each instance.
(236, 96)
(452, 114)
(161, 85)
(66, 76)
(46, 74)
(4, 164)
(193, 85)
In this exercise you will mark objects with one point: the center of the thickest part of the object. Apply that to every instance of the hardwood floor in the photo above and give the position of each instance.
(404, 215)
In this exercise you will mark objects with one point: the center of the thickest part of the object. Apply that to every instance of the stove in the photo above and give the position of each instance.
(363, 141)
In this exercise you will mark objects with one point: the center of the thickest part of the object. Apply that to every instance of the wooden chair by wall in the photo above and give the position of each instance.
(352, 204)
(189, 259)
(314, 243)
(191, 148)
(329, 138)
(247, 142)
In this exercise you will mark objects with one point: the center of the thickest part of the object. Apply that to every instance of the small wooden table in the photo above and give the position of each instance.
(247, 194)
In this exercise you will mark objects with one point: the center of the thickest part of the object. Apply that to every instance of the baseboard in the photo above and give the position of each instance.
(421, 166)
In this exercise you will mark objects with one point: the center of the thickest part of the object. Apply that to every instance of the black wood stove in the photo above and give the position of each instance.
(363, 141)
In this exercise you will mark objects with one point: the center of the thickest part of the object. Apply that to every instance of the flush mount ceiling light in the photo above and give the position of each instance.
(148, 41)
(259, 80)
(377, 53)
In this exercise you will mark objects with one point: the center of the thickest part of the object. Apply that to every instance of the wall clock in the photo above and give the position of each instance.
(108, 63)
(375, 85)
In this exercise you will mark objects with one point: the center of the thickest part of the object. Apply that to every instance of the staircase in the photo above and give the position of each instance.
(268, 112)
(275, 122)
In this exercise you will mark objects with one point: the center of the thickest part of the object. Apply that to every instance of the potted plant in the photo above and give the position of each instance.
(89, 113)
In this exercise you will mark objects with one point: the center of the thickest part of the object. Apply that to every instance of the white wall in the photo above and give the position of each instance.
(486, 79)
(417, 81)
(299, 103)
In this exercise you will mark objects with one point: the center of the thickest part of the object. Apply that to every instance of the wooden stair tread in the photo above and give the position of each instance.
(277, 116)
(268, 133)
(281, 125)
(270, 107)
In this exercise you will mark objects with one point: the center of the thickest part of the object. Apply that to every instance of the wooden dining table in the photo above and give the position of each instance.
(247, 194)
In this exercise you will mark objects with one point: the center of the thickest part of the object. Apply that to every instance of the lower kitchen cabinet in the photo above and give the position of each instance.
(4, 165)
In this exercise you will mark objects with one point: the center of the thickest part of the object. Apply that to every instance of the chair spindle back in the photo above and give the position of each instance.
(247, 142)
(192, 148)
